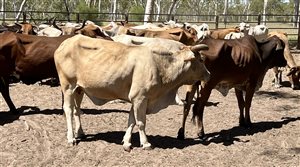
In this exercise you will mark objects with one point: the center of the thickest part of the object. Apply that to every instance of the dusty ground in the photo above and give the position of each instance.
(38, 136)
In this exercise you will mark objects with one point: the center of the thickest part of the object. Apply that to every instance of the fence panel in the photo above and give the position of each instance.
(286, 23)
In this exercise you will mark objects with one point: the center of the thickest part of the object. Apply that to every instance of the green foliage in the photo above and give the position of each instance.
(88, 13)
(138, 10)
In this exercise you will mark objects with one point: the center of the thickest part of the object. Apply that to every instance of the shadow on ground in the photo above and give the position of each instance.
(225, 137)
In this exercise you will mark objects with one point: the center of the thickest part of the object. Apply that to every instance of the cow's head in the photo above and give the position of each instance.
(184, 36)
(68, 29)
(272, 52)
(9, 49)
(93, 31)
(193, 55)
(202, 31)
(27, 28)
(294, 77)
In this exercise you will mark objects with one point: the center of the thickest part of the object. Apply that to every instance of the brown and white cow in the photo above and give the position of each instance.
(240, 64)
(106, 70)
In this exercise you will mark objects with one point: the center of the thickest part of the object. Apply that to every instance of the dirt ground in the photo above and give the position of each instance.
(38, 136)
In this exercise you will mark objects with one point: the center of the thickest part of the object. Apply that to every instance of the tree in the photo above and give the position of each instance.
(172, 6)
(225, 10)
(296, 12)
(158, 8)
(20, 10)
(264, 11)
(148, 11)
(67, 9)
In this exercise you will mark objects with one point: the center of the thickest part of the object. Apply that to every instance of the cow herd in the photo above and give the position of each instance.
(144, 65)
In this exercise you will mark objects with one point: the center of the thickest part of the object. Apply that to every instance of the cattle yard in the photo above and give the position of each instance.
(37, 137)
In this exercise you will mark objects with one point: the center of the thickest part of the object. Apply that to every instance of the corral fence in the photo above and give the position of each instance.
(285, 23)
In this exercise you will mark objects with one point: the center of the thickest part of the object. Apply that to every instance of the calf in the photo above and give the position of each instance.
(240, 64)
(106, 70)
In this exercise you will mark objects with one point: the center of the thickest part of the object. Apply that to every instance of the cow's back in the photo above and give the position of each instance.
(93, 65)
(38, 62)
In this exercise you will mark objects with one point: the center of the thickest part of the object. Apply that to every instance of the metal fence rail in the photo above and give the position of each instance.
(286, 23)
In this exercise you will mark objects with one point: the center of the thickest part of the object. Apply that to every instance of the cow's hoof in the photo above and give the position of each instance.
(246, 125)
(72, 142)
(147, 146)
(80, 135)
(127, 147)
(15, 112)
(296, 87)
(277, 85)
(202, 137)
(180, 134)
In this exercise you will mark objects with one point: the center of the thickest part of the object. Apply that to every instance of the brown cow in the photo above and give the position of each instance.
(240, 64)
(94, 31)
(221, 33)
(30, 57)
(23, 28)
(177, 34)
(294, 70)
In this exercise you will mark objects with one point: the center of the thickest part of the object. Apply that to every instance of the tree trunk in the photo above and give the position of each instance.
(115, 9)
(148, 11)
(99, 7)
(20, 10)
(170, 11)
(246, 10)
(67, 9)
(3, 9)
(158, 8)
(264, 12)
(296, 12)
(225, 11)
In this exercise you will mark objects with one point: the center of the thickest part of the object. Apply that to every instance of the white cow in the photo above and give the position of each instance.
(157, 44)
(106, 70)
(260, 32)
(49, 32)
(202, 30)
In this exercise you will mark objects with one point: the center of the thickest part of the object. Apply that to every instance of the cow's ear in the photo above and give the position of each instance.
(194, 49)
(268, 46)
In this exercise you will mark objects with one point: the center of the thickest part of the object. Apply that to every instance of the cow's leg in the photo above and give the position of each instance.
(277, 77)
(198, 110)
(68, 107)
(248, 100)
(191, 89)
(127, 136)
(78, 95)
(140, 108)
(4, 88)
(241, 104)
